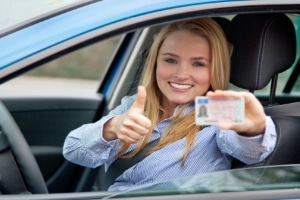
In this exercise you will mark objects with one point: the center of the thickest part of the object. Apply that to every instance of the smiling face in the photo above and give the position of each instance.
(183, 68)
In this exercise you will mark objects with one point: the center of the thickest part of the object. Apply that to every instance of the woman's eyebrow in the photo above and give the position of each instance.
(194, 58)
(201, 58)
(169, 54)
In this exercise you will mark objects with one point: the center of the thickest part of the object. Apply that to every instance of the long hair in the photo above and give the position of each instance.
(181, 126)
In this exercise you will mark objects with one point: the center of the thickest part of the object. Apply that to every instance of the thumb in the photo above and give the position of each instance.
(140, 100)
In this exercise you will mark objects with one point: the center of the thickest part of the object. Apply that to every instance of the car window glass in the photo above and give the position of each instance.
(78, 72)
(296, 87)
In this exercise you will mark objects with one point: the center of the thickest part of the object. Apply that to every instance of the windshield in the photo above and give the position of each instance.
(244, 179)
(16, 12)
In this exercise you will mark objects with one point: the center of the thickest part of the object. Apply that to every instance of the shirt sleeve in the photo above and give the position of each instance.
(249, 150)
(86, 146)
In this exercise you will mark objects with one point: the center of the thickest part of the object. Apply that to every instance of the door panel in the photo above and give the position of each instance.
(45, 122)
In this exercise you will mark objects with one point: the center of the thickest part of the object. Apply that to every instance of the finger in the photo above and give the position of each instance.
(134, 119)
(129, 136)
(141, 127)
(133, 135)
(128, 140)
(139, 103)
(225, 126)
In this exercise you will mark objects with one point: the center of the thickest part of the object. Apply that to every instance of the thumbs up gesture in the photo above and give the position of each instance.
(132, 125)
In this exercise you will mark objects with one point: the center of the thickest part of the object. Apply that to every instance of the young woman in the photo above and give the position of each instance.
(187, 59)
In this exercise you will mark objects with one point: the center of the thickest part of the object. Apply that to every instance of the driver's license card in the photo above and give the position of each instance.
(219, 110)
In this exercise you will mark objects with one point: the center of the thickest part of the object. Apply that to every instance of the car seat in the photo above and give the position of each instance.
(264, 45)
(223, 22)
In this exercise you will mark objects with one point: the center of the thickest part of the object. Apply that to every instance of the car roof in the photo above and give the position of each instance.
(104, 18)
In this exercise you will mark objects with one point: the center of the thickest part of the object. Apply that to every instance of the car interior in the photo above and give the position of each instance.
(35, 128)
(267, 42)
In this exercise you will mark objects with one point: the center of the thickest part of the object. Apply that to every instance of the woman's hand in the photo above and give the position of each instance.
(132, 125)
(255, 118)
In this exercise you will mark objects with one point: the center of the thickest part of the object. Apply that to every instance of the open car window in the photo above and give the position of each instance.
(79, 72)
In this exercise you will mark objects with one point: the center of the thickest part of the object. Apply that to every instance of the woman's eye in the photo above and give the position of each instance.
(199, 64)
(170, 60)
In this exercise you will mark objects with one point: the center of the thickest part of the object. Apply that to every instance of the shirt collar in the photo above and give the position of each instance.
(188, 109)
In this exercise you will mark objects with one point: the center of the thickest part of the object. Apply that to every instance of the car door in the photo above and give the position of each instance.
(46, 109)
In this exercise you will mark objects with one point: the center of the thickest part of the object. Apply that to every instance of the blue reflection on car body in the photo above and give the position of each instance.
(77, 22)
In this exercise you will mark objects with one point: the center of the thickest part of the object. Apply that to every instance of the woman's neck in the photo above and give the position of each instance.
(164, 116)
(167, 111)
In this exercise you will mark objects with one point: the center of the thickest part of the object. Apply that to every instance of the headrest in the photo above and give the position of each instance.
(263, 45)
(223, 22)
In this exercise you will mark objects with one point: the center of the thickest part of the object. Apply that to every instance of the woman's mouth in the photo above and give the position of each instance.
(180, 86)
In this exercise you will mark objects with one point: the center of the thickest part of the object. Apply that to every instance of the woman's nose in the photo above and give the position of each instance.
(182, 72)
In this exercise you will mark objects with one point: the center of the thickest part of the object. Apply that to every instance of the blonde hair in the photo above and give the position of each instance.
(219, 71)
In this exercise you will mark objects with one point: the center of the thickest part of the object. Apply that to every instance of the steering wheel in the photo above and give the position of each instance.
(19, 170)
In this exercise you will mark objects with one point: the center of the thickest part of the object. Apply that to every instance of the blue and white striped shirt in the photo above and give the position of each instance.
(213, 150)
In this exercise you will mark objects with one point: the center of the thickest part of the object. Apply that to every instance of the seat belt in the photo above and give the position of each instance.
(122, 164)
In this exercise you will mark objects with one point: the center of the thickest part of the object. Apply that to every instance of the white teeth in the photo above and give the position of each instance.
(179, 86)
